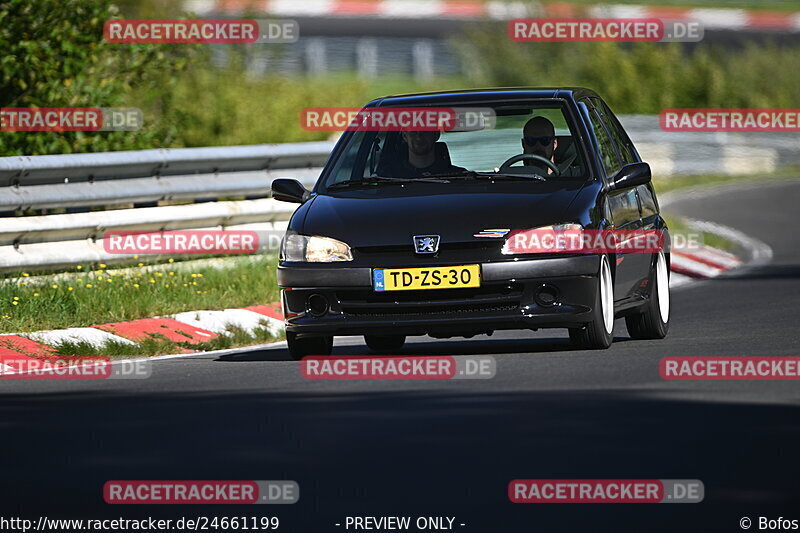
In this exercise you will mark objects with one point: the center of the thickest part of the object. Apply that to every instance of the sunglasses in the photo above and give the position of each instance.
(544, 141)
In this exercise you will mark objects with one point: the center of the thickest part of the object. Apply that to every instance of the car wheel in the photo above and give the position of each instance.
(301, 347)
(384, 343)
(653, 321)
(599, 333)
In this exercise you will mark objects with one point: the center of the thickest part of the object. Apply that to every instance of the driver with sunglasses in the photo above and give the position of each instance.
(539, 138)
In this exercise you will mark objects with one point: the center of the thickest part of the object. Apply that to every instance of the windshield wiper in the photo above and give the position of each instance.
(374, 180)
(474, 174)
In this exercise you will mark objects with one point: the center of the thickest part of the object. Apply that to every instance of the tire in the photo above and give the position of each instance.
(653, 321)
(299, 348)
(599, 333)
(385, 343)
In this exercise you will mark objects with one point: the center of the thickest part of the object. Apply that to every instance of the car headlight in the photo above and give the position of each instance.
(313, 249)
(546, 239)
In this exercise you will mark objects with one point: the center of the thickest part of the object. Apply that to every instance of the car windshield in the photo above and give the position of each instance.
(519, 141)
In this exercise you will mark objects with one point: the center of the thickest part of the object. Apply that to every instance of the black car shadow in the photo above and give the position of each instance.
(455, 347)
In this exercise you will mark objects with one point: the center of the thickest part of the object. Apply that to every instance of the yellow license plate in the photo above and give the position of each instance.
(412, 279)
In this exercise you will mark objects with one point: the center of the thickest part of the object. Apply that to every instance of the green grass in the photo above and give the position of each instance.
(91, 297)
(677, 224)
(158, 345)
(664, 185)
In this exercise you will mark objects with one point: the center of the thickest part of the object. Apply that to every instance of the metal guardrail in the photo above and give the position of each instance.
(48, 169)
(83, 181)
(685, 153)
(78, 180)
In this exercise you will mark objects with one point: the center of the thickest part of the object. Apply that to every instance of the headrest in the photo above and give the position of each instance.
(565, 148)
(442, 153)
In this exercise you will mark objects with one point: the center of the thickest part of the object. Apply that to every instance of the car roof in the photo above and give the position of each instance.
(479, 95)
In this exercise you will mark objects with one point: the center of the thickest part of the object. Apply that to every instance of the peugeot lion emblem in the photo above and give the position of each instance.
(426, 244)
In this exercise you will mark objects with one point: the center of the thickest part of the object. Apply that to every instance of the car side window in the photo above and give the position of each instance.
(618, 135)
(608, 154)
(648, 202)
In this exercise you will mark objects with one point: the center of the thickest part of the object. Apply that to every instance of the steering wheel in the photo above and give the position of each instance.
(522, 157)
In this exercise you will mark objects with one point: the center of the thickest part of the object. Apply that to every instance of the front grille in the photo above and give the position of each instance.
(482, 245)
(433, 312)
(439, 302)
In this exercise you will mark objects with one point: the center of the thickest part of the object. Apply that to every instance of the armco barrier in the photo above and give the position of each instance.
(126, 180)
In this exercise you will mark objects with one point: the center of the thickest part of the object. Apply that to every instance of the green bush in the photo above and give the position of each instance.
(217, 107)
(640, 77)
(54, 56)
(226, 107)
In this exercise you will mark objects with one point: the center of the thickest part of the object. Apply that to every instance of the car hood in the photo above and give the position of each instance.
(391, 215)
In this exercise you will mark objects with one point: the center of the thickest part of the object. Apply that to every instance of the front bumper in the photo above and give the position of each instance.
(509, 298)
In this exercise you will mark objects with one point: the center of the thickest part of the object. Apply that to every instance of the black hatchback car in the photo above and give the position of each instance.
(407, 232)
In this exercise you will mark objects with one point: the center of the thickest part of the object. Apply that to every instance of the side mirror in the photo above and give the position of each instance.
(289, 190)
(632, 175)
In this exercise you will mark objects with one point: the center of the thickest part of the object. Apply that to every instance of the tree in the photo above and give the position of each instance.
(52, 54)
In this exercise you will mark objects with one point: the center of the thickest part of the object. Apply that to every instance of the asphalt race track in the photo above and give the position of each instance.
(450, 448)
